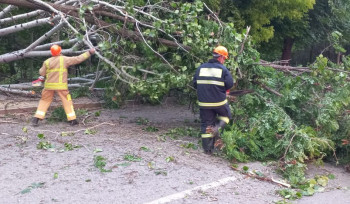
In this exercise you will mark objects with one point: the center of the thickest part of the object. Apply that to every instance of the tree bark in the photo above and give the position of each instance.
(24, 26)
(20, 17)
(6, 10)
(287, 50)
(9, 57)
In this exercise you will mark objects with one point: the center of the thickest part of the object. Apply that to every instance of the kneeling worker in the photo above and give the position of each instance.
(212, 80)
(55, 72)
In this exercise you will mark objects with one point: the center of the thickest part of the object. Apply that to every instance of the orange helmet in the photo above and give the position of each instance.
(221, 50)
(55, 50)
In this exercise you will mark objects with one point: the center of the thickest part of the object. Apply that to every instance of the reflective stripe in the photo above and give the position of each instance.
(86, 55)
(47, 64)
(71, 114)
(207, 135)
(212, 104)
(38, 112)
(69, 97)
(61, 70)
(225, 119)
(210, 72)
(55, 70)
(47, 68)
(219, 83)
(56, 86)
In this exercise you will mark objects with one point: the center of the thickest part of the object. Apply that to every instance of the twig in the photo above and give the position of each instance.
(39, 130)
(1, 121)
(217, 19)
(334, 153)
(290, 144)
(83, 121)
(76, 131)
(70, 132)
(241, 50)
(161, 56)
(272, 180)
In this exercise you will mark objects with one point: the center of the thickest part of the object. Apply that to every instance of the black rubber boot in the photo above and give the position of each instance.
(35, 122)
(208, 145)
(209, 152)
(73, 122)
(216, 129)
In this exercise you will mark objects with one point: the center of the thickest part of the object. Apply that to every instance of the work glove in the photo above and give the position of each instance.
(39, 81)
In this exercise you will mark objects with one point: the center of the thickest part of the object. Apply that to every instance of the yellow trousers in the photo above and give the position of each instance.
(46, 99)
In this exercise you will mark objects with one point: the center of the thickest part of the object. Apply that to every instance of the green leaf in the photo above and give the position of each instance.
(146, 149)
(90, 131)
(164, 173)
(131, 157)
(26, 190)
(331, 176)
(25, 129)
(97, 150)
(310, 191)
(170, 159)
(323, 181)
(124, 164)
(41, 136)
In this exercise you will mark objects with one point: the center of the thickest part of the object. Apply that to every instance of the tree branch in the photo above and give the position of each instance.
(268, 88)
(9, 57)
(44, 37)
(6, 10)
(21, 16)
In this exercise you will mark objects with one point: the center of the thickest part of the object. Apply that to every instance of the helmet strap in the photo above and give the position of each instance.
(221, 59)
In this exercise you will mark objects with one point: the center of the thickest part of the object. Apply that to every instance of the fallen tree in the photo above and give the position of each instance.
(291, 114)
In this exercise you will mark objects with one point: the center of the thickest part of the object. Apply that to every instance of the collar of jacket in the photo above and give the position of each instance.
(214, 61)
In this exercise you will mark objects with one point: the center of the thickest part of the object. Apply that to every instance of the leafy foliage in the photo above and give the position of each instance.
(80, 92)
(58, 115)
(181, 132)
(305, 124)
(100, 163)
(132, 157)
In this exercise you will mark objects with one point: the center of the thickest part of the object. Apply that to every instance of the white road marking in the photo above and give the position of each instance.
(188, 192)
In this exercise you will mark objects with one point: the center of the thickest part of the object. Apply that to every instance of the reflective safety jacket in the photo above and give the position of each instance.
(55, 70)
(211, 80)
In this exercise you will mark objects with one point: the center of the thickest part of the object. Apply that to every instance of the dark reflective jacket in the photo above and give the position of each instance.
(211, 80)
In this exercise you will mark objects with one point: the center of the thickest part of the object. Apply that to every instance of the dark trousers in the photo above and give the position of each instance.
(209, 117)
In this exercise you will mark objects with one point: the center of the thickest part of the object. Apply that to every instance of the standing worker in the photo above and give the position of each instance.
(55, 72)
(212, 80)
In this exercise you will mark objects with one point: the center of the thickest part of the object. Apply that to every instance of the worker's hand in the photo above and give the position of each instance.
(92, 51)
(231, 98)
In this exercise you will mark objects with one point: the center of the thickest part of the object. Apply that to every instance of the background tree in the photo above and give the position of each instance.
(311, 35)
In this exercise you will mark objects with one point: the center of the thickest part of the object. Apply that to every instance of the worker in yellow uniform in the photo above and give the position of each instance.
(55, 72)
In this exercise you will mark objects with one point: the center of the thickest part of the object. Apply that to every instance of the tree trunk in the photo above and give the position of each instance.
(287, 50)
(12, 69)
(311, 53)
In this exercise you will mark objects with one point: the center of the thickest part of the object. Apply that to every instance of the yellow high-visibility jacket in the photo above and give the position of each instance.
(55, 70)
